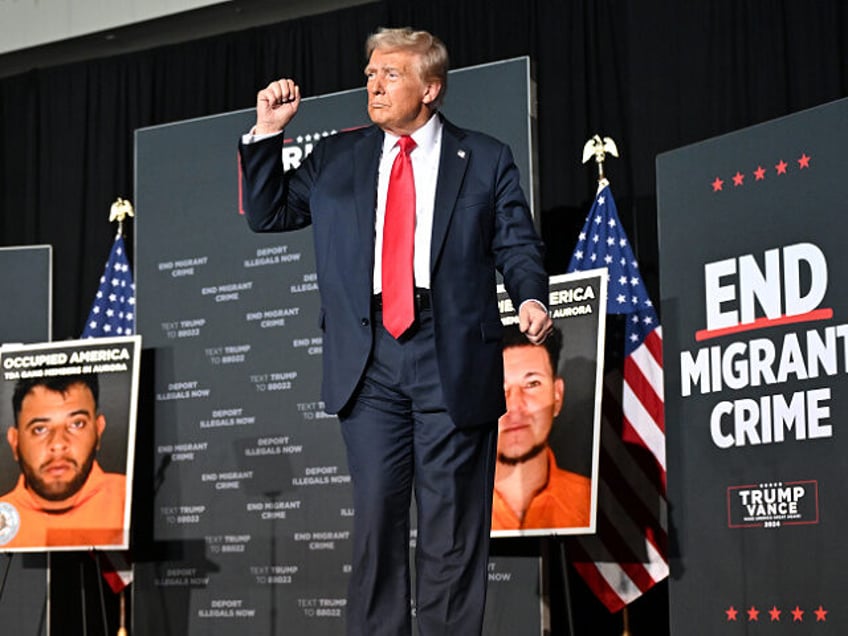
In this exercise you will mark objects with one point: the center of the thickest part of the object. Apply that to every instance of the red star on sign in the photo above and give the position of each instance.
(738, 178)
(797, 615)
(760, 173)
(821, 614)
(804, 161)
(774, 613)
(753, 614)
(717, 184)
(731, 613)
(781, 167)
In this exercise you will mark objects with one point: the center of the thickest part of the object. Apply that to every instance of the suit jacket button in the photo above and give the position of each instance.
(365, 322)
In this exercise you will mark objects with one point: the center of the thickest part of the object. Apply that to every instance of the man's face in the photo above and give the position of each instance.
(397, 96)
(55, 440)
(533, 399)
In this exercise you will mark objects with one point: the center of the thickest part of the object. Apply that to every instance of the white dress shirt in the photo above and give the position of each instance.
(425, 170)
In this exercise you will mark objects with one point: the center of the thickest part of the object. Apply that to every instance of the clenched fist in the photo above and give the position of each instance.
(276, 105)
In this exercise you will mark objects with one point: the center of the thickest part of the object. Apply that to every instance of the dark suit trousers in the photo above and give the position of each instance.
(400, 437)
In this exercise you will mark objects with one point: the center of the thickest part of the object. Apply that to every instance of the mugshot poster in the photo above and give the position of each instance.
(66, 459)
(755, 318)
(249, 520)
(549, 438)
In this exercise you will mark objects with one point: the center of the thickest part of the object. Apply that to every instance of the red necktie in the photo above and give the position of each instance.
(398, 241)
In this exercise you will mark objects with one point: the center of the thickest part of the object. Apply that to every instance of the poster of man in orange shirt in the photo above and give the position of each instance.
(68, 417)
(548, 438)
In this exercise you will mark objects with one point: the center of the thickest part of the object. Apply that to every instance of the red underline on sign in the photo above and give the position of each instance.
(762, 323)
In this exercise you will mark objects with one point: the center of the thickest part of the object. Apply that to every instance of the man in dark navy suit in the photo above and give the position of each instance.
(419, 405)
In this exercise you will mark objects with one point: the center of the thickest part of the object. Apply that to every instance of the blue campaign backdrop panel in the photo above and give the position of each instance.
(754, 315)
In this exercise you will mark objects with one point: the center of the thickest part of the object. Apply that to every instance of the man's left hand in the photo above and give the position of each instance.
(534, 321)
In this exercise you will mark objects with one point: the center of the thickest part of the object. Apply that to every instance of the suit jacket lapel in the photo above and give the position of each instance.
(366, 161)
(452, 165)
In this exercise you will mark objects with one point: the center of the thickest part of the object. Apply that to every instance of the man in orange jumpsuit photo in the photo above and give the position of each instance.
(62, 496)
(531, 491)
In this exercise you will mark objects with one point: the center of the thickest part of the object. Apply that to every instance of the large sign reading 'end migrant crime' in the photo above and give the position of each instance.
(755, 312)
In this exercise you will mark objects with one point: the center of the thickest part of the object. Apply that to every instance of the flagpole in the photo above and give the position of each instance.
(121, 209)
(566, 587)
(122, 630)
(625, 617)
(598, 148)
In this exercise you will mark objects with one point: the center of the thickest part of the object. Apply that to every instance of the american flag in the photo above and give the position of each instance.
(113, 314)
(629, 552)
(113, 311)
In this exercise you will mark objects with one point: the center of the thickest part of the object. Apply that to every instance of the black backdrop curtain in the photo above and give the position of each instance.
(653, 75)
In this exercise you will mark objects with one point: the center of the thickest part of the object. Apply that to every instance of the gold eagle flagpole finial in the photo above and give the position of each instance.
(598, 148)
(120, 210)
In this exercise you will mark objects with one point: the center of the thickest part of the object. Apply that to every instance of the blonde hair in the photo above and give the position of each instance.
(431, 51)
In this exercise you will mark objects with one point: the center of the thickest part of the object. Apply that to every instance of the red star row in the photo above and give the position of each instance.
(760, 173)
(774, 614)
